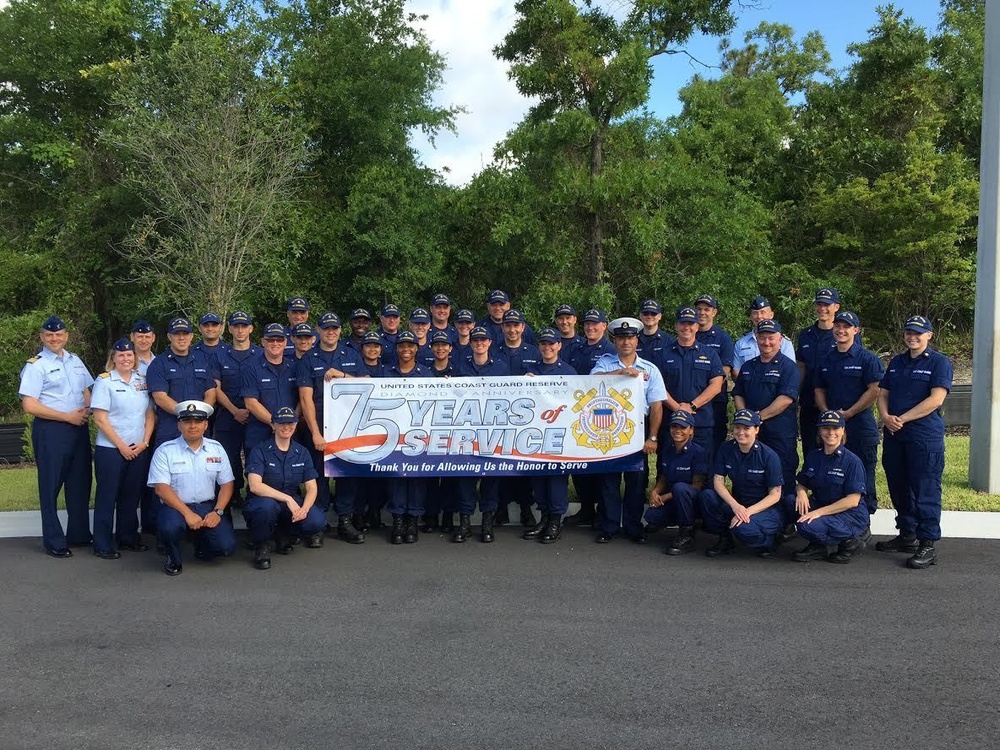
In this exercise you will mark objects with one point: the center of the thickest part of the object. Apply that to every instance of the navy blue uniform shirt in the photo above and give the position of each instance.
(830, 477)
(518, 360)
(181, 378)
(759, 383)
(813, 344)
(284, 471)
(492, 366)
(753, 474)
(559, 367)
(722, 343)
(588, 354)
(230, 364)
(682, 465)
(909, 381)
(310, 369)
(686, 372)
(651, 346)
(569, 347)
(845, 376)
(273, 386)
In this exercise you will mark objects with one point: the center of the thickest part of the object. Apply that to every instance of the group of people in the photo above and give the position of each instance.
(178, 431)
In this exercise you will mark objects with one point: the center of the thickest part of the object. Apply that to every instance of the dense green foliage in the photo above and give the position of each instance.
(164, 156)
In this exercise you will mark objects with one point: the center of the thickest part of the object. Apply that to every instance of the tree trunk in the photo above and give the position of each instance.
(595, 226)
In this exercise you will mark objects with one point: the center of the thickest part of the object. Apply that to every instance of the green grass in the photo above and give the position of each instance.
(19, 489)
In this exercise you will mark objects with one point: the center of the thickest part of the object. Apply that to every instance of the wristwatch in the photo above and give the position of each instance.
(220, 511)
(652, 437)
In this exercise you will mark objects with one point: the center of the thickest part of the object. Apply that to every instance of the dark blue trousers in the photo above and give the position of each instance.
(217, 542)
(442, 495)
(232, 438)
(833, 529)
(622, 511)
(678, 511)
(758, 534)
(120, 486)
(867, 450)
(808, 417)
(407, 496)
(913, 472)
(787, 449)
(489, 494)
(62, 458)
(369, 493)
(551, 494)
(265, 515)
(720, 428)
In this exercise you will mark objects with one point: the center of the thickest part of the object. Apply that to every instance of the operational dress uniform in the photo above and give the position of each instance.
(120, 482)
(759, 384)
(624, 512)
(722, 343)
(273, 385)
(652, 345)
(844, 376)
(62, 450)
(459, 350)
(567, 344)
(285, 471)
(194, 476)
(228, 431)
(489, 489)
(745, 347)
(142, 327)
(495, 327)
(811, 346)
(678, 468)
(752, 474)
(297, 311)
(829, 477)
(442, 492)
(913, 457)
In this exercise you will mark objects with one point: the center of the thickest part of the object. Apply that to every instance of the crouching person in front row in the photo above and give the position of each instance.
(680, 476)
(835, 514)
(748, 510)
(184, 473)
(281, 503)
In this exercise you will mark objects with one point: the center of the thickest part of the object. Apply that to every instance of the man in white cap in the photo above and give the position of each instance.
(184, 473)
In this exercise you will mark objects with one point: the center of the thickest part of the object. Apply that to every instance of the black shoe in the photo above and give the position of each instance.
(375, 519)
(604, 537)
(361, 522)
(501, 516)
(347, 531)
(810, 552)
(315, 541)
(766, 553)
(901, 543)
(527, 517)
(639, 538)
(262, 555)
(552, 530)
(584, 518)
(486, 530)
(410, 534)
(724, 546)
(447, 522)
(787, 534)
(62, 552)
(137, 547)
(396, 533)
(463, 531)
(430, 524)
(684, 542)
(172, 568)
(108, 555)
(284, 545)
(924, 557)
(538, 529)
(650, 529)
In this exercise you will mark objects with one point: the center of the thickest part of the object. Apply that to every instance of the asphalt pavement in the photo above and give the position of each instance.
(509, 645)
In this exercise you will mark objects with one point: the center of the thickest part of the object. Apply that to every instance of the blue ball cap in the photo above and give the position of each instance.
(179, 325)
(826, 296)
(565, 309)
(274, 331)
(465, 316)
(53, 323)
(440, 299)
(687, 315)
(123, 345)
(142, 326)
(284, 415)
(298, 304)
(831, 419)
(240, 318)
(650, 306)
(513, 316)
(595, 316)
(360, 312)
(303, 329)
(918, 323)
(371, 337)
(441, 337)
(846, 316)
(683, 418)
(419, 315)
(479, 333)
(758, 303)
(497, 296)
(209, 317)
(329, 320)
(768, 326)
(548, 336)
(707, 299)
(389, 309)
(747, 418)
(405, 337)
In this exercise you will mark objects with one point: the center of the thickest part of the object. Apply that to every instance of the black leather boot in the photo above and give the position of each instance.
(396, 534)
(262, 555)
(552, 529)
(901, 543)
(462, 532)
(430, 524)
(684, 542)
(486, 532)
(347, 531)
(447, 522)
(410, 534)
(536, 531)
(924, 557)
(724, 546)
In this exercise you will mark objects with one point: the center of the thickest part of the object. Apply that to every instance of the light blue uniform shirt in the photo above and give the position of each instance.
(192, 475)
(655, 389)
(57, 382)
(126, 405)
(746, 349)
(143, 366)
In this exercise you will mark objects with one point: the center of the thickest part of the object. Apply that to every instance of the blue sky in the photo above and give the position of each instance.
(465, 31)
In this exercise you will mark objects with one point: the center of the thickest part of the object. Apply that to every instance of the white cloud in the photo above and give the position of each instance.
(465, 32)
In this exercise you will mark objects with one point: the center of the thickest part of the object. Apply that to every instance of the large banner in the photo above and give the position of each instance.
(483, 426)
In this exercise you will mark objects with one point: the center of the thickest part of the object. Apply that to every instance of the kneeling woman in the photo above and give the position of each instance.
(748, 510)
(680, 476)
(835, 514)
(278, 470)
